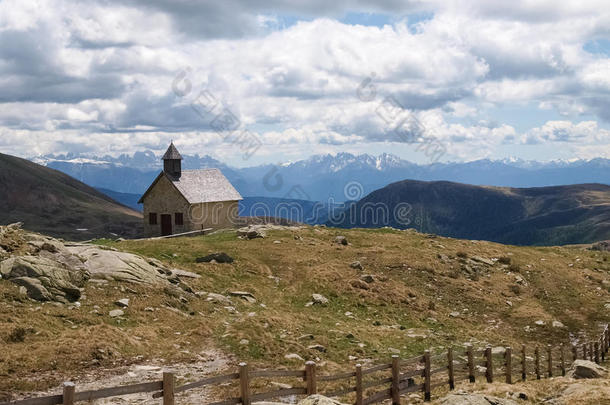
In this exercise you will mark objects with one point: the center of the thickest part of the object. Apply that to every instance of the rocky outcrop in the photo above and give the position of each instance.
(120, 266)
(252, 232)
(586, 369)
(52, 270)
(603, 246)
(45, 279)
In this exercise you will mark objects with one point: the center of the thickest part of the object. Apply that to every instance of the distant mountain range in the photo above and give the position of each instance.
(329, 178)
(51, 202)
(522, 216)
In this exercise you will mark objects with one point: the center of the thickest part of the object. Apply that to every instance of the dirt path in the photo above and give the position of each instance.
(211, 362)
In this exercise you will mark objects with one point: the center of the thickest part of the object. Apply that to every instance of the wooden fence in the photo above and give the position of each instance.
(369, 385)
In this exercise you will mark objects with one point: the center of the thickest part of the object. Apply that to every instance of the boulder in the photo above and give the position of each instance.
(244, 295)
(319, 299)
(603, 246)
(116, 313)
(251, 232)
(293, 356)
(120, 266)
(53, 270)
(218, 298)
(44, 279)
(123, 303)
(359, 284)
(341, 240)
(356, 265)
(483, 260)
(586, 369)
(318, 400)
(369, 278)
(219, 257)
(462, 398)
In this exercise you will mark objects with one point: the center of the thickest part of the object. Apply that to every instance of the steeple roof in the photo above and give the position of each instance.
(172, 153)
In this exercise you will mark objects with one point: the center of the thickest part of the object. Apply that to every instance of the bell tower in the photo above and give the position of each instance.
(172, 162)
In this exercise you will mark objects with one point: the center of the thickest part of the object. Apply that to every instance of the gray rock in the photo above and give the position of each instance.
(369, 278)
(44, 279)
(244, 295)
(603, 246)
(319, 348)
(586, 369)
(184, 273)
(123, 302)
(356, 265)
(319, 299)
(483, 260)
(318, 400)
(120, 266)
(116, 313)
(218, 298)
(251, 232)
(293, 356)
(219, 257)
(341, 240)
(474, 399)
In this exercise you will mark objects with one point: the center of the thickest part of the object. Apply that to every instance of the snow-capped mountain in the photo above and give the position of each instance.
(326, 177)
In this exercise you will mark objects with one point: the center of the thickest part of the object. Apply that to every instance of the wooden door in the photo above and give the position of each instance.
(166, 224)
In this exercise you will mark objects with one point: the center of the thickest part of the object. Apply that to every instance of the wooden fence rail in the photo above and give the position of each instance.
(407, 375)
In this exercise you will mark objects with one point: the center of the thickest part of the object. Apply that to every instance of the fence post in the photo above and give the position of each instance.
(395, 380)
(470, 358)
(168, 388)
(591, 356)
(549, 353)
(574, 353)
(508, 364)
(489, 372)
(68, 394)
(537, 362)
(427, 375)
(607, 333)
(450, 368)
(310, 377)
(562, 361)
(244, 383)
(602, 343)
(523, 364)
(358, 384)
(596, 345)
(584, 351)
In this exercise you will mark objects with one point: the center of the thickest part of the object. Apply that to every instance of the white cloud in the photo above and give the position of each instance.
(81, 76)
(585, 132)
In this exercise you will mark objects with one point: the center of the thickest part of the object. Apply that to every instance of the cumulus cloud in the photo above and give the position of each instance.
(100, 76)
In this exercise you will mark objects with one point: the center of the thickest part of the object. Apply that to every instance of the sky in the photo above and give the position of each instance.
(251, 82)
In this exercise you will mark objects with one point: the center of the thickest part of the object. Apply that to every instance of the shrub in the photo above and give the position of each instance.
(462, 254)
(514, 268)
(17, 335)
(504, 260)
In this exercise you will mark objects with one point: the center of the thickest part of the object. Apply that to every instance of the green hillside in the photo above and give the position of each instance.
(523, 216)
(56, 204)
